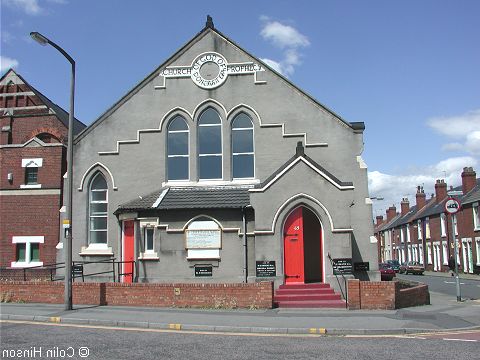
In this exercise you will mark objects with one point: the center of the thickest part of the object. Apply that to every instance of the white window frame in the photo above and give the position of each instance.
(477, 246)
(179, 156)
(212, 154)
(443, 225)
(90, 202)
(454, 216)
(402, 235)
(476, 217)
(244, 153)
(427, 228)
(408, 232)
(31, 163)
(27, 240)
(419, 230)
(429, 253)
(420, 253)
(445, 252)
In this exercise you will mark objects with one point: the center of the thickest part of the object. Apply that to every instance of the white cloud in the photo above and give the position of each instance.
(464, 128)
(395, 187)
(30, 7)
(283, 36)
(286, 38)
(7, 63)
(6, 37)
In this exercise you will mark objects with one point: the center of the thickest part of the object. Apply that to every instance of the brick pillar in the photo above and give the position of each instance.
(440, 190)
(404, 206)
(420, 198)
(469, 179)
(354, 301)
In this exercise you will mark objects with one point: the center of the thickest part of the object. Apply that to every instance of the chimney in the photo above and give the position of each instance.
(440, 190)
(469, 179)
(405, 206)
(379, 219)
(420, 198)
(391, 212)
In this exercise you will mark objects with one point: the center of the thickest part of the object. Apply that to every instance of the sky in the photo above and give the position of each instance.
(409, 69)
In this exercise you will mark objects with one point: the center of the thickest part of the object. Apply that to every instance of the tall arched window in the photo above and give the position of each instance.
(177, 149)
(209, 145)
(98, 210)
(243, 155)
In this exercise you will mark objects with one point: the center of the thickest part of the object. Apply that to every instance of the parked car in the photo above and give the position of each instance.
(412, 267)
(386, 272)
(394, 264)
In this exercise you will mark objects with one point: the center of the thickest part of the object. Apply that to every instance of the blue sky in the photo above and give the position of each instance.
(409, 69)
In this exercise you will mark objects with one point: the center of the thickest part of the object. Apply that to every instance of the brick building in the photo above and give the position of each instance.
(33, 141)
(424, 233)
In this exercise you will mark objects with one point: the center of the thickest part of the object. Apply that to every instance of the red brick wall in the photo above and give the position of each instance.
(384, 295)
(25, 127)
(50, 175)
(28, 215)
(259, 295)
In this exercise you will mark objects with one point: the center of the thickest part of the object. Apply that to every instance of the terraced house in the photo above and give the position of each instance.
(424, 231)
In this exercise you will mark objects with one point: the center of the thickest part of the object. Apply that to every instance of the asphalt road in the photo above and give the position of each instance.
(59, 342)
(470, 289)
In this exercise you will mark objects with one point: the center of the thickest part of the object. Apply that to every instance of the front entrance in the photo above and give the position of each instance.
(128, 251)
(303, 258)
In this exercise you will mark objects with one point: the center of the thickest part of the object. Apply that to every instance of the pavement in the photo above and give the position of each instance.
(444, 314)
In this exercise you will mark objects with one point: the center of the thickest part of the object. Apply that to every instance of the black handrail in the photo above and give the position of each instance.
(335, 271)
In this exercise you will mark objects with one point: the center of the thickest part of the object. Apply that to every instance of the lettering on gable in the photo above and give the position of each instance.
(210, 70)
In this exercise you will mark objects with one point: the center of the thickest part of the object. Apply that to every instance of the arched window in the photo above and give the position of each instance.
(47, 138)
(243, 155)
(209, 145)
(177, 149)
(98, 210)
(203, 239)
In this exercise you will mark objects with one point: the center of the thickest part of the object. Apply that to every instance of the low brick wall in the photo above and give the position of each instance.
(257, 295)
(385, 295)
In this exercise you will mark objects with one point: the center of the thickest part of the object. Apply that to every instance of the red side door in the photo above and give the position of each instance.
(128, 250)
(293, 248)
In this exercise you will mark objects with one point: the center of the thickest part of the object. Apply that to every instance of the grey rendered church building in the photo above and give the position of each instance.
(215, 168)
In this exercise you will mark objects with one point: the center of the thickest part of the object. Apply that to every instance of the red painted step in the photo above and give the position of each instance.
(318, 295)
(312, 304)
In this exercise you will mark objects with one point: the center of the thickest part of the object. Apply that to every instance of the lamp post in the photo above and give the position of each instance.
(42, 40)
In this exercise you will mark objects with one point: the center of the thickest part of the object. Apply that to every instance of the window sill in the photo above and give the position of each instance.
(96, 250)
(202, 258)
(17, 264)
(148, 257)
(36, 186)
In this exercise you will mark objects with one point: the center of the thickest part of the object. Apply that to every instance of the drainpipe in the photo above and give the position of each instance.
(245, 243)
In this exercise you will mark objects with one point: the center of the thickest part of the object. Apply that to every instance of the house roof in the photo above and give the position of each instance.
(194, 197)
(356, 126)
(61, 114)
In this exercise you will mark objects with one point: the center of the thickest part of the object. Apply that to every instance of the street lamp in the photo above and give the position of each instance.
(42, 40)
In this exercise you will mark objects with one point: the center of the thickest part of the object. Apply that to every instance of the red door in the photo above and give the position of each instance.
(128, 250)
(293, 248)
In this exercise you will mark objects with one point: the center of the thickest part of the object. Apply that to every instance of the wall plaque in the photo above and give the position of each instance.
(342, 266)
(266, 269)
(203, 271)
(361, 266)
(203, 239)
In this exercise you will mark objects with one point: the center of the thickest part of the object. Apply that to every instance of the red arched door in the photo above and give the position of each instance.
(303, 259)
(128, 250)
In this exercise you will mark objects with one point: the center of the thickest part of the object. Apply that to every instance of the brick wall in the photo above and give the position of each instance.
(26, 127)
(385, 295)
(258, 295)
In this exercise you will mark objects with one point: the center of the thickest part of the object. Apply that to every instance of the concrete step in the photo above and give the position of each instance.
(305, 286)
(309, 297)
(304, 291)
(311, 304)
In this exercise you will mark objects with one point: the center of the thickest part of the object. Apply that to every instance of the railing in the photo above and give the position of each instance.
(335, 272)
(78, 271)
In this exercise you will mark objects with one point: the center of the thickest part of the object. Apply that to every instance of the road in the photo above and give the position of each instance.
(470, 289)
(70, 341)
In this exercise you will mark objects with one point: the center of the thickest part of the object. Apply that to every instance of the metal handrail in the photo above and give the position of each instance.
(345, 296)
